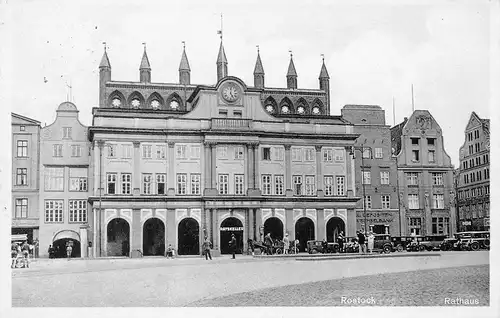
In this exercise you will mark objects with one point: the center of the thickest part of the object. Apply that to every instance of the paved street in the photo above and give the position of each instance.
(195, 282)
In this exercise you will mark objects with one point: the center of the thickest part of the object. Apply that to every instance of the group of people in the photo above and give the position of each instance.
(55, 252)
(365, 240)
(20, 254)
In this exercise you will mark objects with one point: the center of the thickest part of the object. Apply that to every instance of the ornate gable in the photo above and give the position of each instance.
(474, 122)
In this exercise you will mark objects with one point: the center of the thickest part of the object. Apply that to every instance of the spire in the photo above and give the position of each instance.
(145, 61)
(258, 64)
(324, 71)
(184, 66)
(291, 67)
(105, 60)
(104, 77)
(221, 63)
(221, 58)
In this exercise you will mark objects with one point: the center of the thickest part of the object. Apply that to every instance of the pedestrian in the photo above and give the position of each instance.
(69, 250)
(170, 251)
(26, 254)
(232, 245)
(268, 242)
(361, 242)
(13, 254)
(251, 247)
(51, 251)
(286, 244)
(324, 245)
(371, 241)
(206, 247)
(340, 241)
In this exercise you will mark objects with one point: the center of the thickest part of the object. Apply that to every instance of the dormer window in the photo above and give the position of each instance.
(174, 105)
(155, 104)
(116, 102)
(301, 110)
(316, 111)
(135, 103)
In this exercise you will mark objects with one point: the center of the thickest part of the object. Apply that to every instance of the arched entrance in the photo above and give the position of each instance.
(274, 226)
(333, 228)
(229, 226)
(64, 238)
(153, 237)
(304, 231)
(188, 235)
(118, 238)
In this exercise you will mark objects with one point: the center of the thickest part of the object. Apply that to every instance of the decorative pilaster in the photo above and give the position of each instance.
(171, 168)
(208, 165)
(288, 171)
(350, 177)
(213, 148)
(253, 169)
(136, 177)
(251, 229)
(250, 166)
(319, 173)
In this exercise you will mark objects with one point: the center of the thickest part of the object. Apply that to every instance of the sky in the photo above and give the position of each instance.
(374, 52)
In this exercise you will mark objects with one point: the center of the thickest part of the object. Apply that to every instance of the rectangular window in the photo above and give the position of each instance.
(223, 183)
(77, 211)
(296, 154)
(415, 141)
(328, 180)
(415, 225)
(339, 155)
(78, 179)
(222, 152)
(111, 151)
(147, 151)
(368, 202)
(76, 151)
(223, 112)
(237, 113)
(412, 178)
(432, 156)
(22, 176)
(297, 185)
(384, 177)
(57, 150)
(266, 184)
(195, 184)
(440, 225)
(431, 141)
(367, 153)
(54, 211)
(239, 182)
(21, 208)
(111, 183)
(386, 201)
(279, 153)
(327, 155)
(310, 185)
(22, 148)
(413, 202)
(147, 179)
(415, 156)
(309, 154)
(181, 183)
(22, 128)
(279, 185)
(437, 201)
(126, 183)
(126, 151)
(340, 185)
(67, 132)
(367, 177)
(180, 151)
(238, 153)
(378, 153)
(266, 153)
(195, 152)
(54, 179)
(161, 152)
(437, 178)
(161, 180)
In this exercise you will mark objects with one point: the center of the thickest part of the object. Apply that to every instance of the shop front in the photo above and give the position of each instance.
(379, 222)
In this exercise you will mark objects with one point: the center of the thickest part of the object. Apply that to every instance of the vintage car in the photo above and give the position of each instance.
(383, 243)
(415, 245)
(401, 242)
(432, 242)
(473, 241)
(449, 244)
(314, 247)
(351, 245)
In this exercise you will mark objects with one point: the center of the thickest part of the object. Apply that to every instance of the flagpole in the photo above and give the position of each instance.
(393, 112)
(412, 100)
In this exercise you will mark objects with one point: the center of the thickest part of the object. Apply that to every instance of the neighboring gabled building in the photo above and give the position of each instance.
(25, 176)
(473, 176)
(425, 176)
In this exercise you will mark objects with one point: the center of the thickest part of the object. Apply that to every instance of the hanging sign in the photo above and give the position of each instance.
(231, 228)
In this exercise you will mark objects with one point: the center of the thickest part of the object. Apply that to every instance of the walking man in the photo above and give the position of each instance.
(69, 250)
(232, 245)
(361, 241)
(26, 254)
(286, 244)
(340, 241)
(206, 246)
(268, 242)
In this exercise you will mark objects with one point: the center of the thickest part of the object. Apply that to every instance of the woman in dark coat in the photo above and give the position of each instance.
(232, 245)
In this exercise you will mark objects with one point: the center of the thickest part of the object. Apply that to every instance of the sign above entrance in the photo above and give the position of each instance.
(231, 228)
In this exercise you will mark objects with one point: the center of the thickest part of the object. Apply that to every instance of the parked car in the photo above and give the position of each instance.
(383, 244)
(314, 247)
(473, 241)
(432, 242)
(351, 245)
(401, 242)
(415, 245)
(449, 244)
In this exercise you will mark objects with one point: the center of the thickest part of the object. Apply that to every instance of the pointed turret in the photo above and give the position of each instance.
(221, 63)
(258, 72)
(145, 68)
(184, 69)
(291, 75)
(104, 77)
(324, 84)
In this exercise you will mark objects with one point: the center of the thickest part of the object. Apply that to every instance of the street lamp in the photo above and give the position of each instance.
(361, 149)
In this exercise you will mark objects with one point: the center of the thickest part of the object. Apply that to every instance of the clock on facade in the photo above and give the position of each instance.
(230, 92)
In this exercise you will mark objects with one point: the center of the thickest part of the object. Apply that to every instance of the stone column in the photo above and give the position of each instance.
(321, 224)
(84, 241)
(103, 249)
(216, 231)
(288, 172)
(256, 162)
(258, 224)
(319, 173)
(171, 229)
(171, 169)
(350, 177)
(250, 166)
(136, 177)
(99, 214)
(208, 165)
(207, 224)
(251, 229)
(213, 148)
(290, 227)
(135, 233)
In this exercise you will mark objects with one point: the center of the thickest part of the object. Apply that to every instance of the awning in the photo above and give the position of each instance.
(67, 234)
(19, 237)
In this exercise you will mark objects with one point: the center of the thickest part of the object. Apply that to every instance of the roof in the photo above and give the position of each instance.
(258, 66)
(105, 61)
(221, 58)
(30, 120)
(67, 107)
(324, 71)
(184, 66)
(396, 133)
(145, 62)
(291, 69)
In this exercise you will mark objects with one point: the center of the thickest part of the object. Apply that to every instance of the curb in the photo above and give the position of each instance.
(328, 258)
